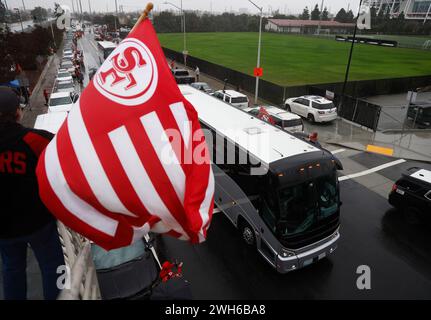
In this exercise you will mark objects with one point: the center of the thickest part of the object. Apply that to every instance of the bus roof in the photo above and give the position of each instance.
(107, 44)
(249, 132)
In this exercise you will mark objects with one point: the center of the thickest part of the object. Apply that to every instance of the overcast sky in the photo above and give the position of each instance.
(285, 6)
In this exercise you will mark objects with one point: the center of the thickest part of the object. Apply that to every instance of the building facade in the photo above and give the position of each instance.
(308, 26)
(412, 9)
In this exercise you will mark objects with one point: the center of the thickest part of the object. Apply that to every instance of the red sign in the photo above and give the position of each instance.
(258, 72)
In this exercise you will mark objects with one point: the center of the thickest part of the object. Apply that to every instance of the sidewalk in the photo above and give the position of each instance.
(412, 145)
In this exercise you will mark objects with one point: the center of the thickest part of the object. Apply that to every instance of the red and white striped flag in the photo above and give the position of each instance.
(117, 169)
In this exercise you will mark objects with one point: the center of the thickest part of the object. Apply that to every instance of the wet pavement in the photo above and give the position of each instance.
(372, 234)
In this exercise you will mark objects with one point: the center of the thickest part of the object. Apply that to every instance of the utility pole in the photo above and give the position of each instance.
(89, 6)
(80, 9)
(185, 52)
(116, 16)
(184, 32)
(23, 5)
(256, 94)
(20, 18)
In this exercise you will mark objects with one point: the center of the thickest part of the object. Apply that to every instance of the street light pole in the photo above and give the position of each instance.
(80, 9)
(183, 27)
(256, 94)
(116, 17)
(20, 18)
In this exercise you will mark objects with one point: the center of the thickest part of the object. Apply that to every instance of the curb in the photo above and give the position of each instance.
(348, 146)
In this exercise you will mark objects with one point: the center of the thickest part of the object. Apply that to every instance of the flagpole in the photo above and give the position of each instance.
(144, 15)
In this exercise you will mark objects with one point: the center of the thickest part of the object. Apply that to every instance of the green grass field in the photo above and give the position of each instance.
(295, 60)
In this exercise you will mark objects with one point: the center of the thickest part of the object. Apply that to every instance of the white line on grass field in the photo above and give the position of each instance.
(373, 170)
(338, 151)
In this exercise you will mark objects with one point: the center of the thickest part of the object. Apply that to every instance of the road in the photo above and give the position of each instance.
(372, 234)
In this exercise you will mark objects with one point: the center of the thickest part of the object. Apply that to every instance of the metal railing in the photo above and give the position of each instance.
(83, 284)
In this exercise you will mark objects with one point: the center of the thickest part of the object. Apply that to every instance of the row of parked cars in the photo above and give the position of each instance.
(64, 93)
(288, 117)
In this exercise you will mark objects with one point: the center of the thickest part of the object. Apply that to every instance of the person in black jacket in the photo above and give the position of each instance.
(24, 220)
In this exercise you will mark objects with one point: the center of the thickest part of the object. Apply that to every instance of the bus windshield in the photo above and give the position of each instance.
(302, 207)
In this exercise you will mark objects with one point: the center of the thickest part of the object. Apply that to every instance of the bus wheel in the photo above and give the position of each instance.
(247, 233)
(412, 215)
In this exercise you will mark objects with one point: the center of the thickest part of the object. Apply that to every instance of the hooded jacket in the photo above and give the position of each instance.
(21, 210)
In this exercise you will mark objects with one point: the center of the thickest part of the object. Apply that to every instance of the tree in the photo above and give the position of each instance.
(39, 14)
(325, 14)
(315, 14)
(350, 17)
(305, 14)
(341, 16)
(2, 12)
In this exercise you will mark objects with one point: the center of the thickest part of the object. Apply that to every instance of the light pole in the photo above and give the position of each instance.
(183, 27)
(116, 17)
(256, 94)
(20, 18)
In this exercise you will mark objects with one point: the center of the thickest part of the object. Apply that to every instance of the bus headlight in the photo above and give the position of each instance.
(286, 253)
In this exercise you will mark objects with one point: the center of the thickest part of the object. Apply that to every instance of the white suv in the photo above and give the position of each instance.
(314, 108)
(235, 98)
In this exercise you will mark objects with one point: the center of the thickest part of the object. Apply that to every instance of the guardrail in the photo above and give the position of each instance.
(82, 283)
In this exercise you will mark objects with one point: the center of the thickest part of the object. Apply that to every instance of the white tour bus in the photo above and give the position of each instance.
(291, 210)
(105, 49)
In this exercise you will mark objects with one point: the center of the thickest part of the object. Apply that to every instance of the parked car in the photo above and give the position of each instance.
(64, 86)
(314, 108)
(68, 65)
(64, 75)
(203, 86)
(285, 120)
(182, 76)
(68, 57)
(412, 195)
(235, 98)
(61, 102)
(420, 112)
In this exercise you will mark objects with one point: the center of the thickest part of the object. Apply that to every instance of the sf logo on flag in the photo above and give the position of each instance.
(129, 76)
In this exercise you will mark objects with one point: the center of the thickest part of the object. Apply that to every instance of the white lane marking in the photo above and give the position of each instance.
(373, 170)
(338, 151)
